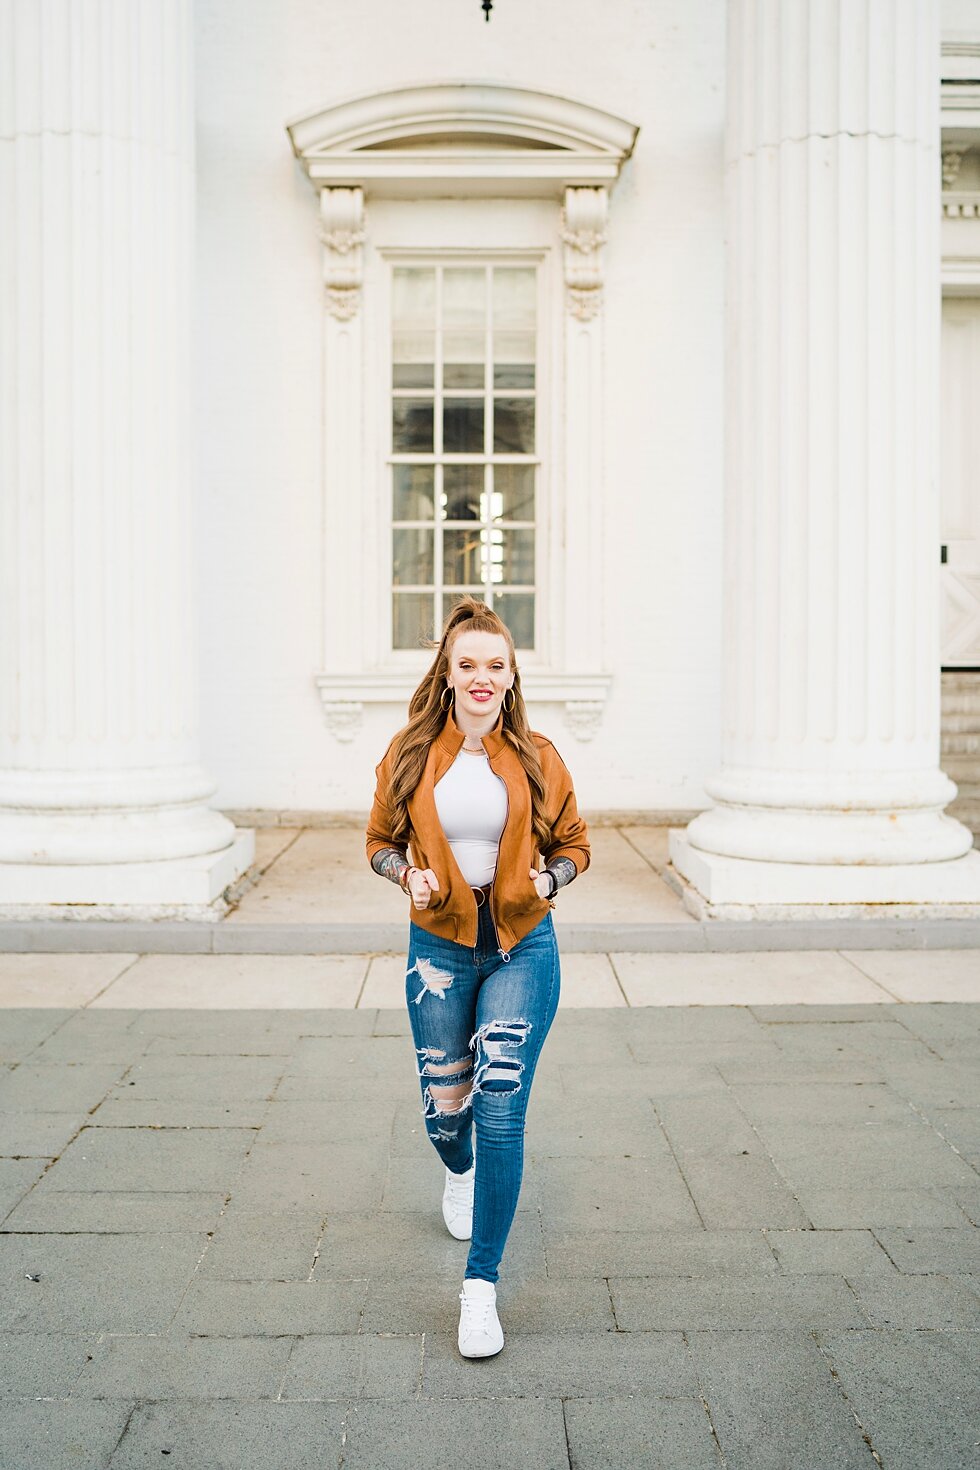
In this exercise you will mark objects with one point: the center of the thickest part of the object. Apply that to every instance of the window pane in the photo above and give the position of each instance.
(414, 308)
(464, 311)
(411, 618)
(514, 312)
(513, 425)
(413, 494)
(511, 556)
(517, 611)
(412, 556)
(513, 492)
(462, 492)
(464, 556)
(462, 425)
(411, 425)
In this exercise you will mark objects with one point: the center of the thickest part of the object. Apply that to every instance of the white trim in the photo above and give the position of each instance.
(481, 139)
(475, 137)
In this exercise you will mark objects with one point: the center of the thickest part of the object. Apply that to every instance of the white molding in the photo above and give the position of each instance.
(475, 137)
(342, 238)
(415, 145)
(344, 697)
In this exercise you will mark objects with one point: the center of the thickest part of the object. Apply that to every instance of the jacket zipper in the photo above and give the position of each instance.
(496, 931)
(500, 950)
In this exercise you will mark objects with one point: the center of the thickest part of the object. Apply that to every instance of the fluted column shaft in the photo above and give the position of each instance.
(831, 691)
(98, 717)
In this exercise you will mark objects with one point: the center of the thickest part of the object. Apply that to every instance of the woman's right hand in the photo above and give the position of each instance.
(421, 883)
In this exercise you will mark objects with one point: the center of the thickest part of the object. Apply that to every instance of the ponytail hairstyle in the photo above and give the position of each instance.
(427, 716)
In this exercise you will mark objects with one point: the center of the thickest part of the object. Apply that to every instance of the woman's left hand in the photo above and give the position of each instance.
(542, 883)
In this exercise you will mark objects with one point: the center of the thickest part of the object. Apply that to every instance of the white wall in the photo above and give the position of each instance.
(659, 64)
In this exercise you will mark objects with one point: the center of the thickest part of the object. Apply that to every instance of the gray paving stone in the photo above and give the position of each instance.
(918, 1301)
(228, 1436)
(115, 1212)
(189, 1079)
(24, 1028)
(94, 1283)
(430, 1305)
(774, 1404)
(98, 1035)
(780, 1104)
(778, 1303)
(38, 1135)
(40, 1365)
(891, 1155)
(914, 1392)
(352, 1058)
(615, 1193)
(217, 1308)
(522, 1435)
(960, 1127)
(343, 1120)
(363, 1367)
(741, 1192)
(184, 1368)
(60, 1434)
(649, 1252)
(689, 1078)
(545, 1365)
(317, 1176)
(919, 1249)
(930, 1083)
(16, 1178)
(967, 1200)
(123, 1111)
(57, 1088)
(839, 1252)
(951, 1028)
(268, 1246)
(150, 1159)
(868, 1207)
(657, 1434)
(566, 1128)
(396, 1244)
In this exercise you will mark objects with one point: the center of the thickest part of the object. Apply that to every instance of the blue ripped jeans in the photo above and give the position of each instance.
(479, 1022)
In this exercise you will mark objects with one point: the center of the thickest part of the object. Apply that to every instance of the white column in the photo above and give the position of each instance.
(830, 788)
(102, 797)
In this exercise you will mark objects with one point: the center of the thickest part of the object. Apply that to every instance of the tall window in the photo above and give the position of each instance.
(463, 436)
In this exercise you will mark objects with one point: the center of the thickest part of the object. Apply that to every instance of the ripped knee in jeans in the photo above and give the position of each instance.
(497, 1067)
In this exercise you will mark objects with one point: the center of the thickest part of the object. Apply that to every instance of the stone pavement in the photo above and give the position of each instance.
(748, 1235)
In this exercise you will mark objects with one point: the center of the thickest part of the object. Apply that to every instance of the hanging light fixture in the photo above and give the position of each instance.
(487, 7)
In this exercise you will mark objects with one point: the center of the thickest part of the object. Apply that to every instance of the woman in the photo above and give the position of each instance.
(479, 796)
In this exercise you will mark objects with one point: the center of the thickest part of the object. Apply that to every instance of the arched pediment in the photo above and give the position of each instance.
(462, 137)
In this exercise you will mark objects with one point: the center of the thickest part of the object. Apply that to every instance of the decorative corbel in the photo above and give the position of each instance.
(583, 229)
(342, 236)
(952, 158)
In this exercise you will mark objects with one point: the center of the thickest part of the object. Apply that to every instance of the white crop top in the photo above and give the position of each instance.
(472, 806)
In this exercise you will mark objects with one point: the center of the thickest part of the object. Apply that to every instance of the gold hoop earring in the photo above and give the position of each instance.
(448, 690)
(513, 699)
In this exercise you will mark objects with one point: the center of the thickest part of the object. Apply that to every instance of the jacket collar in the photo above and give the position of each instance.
(451, 737)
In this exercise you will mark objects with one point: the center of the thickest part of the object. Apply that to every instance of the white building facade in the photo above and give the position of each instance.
(658, 327)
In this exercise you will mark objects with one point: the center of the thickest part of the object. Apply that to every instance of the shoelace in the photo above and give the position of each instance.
(461, 1191)
(478, 1310)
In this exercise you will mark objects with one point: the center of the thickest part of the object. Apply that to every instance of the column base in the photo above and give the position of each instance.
(185, 888)
(713, 886)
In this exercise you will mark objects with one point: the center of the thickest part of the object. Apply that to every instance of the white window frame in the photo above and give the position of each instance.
(508, 144)
(546, 413)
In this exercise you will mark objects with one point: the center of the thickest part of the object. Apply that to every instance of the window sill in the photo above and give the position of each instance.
(344, 696)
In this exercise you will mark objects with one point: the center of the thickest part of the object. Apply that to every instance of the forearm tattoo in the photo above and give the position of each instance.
(390, 863)
(564, 871)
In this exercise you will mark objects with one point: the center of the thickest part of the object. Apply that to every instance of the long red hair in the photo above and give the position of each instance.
(427, 716)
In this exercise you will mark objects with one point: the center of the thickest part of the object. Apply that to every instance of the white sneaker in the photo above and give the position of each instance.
(480, 1332)
(457, 1203)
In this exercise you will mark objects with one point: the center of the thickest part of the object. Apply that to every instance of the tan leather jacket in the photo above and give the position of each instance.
(514, 901)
